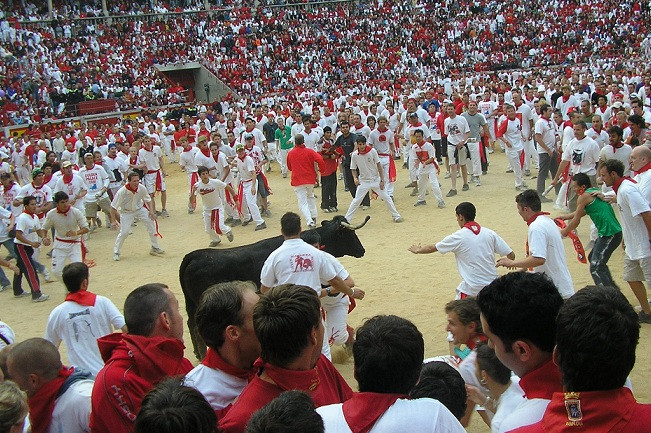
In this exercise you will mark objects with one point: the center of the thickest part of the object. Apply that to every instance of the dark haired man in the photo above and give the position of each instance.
(442, 382)
(388, 358)
(474, 249)
(518, 315)
(287, 322)
(69, 226)
(81, 319)
(545, 250)
(225, 322)
(135, 362)
(635, 214)
(290, 412)
(603, 216)
(597, 332)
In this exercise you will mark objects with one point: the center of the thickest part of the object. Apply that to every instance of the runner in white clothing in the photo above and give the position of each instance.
(129, 203)
(370, 178)
(213, 206)
(474, 248)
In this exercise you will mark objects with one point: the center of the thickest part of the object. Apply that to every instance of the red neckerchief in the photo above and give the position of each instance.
(303, 380)
(646, 167)
(189, 148)
(475, 340)
(128, 186)
(542, 382)
(382, 130)
(565, 98)
(367, 149)
(206, 152)
(47, 179)
(216, 157)
(534, 216)
(82, 297)
(363, 409)
(41, 404)
(243, 158)
(133, 160)
(28, 213)
(417, 124)
(619, 181)
(249, 130)
(67, 179)
(63, 213)
(473, 227)
(38, 187)
(618, 146)
(214, 360)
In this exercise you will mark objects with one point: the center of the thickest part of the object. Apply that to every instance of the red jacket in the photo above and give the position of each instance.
(300, 161)
(133, 365)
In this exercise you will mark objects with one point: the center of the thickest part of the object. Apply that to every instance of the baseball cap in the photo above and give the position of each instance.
(248, 136)
(65, 164)
(112, 145)
(617, 104)
(634, 96)
(239, 147)
(36, 172)
(413, 114)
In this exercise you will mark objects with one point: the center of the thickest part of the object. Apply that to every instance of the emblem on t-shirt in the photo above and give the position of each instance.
(303, 262)
(577, 156)
(573, 407)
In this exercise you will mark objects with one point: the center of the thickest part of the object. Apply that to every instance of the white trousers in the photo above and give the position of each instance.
(126, 220)
(431, 178)
(475, 158)
(306, 202)
(336, 309)
(514, 161)
(389, 186)
(530, 153)
(250, 204)
(62, 251)
(365, 187)
(215, 218)
(283, 160)
(230, 211)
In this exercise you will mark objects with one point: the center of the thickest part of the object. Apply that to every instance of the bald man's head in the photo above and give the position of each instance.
(33, 363)
(640, 157)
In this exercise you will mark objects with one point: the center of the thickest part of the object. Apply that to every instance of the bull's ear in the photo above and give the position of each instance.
(324, 222)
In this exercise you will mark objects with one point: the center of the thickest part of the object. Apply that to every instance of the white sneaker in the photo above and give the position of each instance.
(156, 251)
(48, 277)
(116, 257)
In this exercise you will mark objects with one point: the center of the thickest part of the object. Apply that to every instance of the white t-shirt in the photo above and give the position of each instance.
(151, 158)
(28, 225)
(456, 129)
(381, 141)
(95, 179)
(209, 192)
(7, 334)
(631, 204)
(525, 115)
(297, 262)
(80, 326)
(71, 412)
(545, 242)
(73, 188)
(187, 160)
(547, 133)
(475, 256)
(506, 404)
(622, 154)
(582, 155)
(420, 415)
(43, 194)
(527, 412)
(128, 201)
(600, 137)
(367, 165)
(220, 389)
(644, 184)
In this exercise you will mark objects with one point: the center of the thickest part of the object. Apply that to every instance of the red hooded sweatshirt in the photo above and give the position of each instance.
(133, 365)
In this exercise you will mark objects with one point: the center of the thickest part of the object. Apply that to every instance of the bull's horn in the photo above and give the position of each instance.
(352, 227)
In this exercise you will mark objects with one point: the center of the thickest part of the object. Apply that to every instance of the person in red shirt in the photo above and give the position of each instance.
(301, 162)
(597, 332)
(331, 155)
(135, 362)
(518, 315)
(287, 321)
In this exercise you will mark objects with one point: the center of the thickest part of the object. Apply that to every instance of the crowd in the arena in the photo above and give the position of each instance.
(345, 47)
(338, 98)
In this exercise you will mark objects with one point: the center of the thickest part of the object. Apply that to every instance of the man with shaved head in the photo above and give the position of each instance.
(59, 396)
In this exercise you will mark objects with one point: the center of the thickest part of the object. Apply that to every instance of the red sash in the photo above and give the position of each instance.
(194, 178)
(41, 404)
(214, 221)
(363, 409)
(214, 360)
(522, 157)
(265, 182)
(576, 242)
(393, 175)
(82, 297)
(159, 179)
(155, 223)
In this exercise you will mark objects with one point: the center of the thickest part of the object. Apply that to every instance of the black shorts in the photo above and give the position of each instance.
(262, 190)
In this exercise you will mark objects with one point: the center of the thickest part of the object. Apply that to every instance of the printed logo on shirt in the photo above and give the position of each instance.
(302, 262)
(573, 407)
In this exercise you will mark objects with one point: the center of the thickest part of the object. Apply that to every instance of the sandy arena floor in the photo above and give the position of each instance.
(395, 281)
